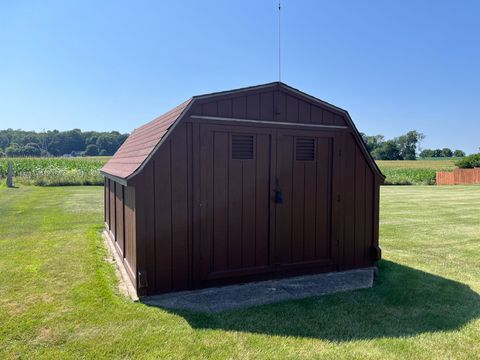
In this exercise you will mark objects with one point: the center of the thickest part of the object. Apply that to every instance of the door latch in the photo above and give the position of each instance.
(278, 197)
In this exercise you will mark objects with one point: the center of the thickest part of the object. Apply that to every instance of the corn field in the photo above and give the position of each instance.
(55, 171)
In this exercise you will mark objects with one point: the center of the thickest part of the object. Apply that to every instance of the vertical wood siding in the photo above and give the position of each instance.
(120, 218)
(195, 215)
(303, 221)
(106, 197)
(360, 208)
(112, 210)
(269, 106)
(129, 253)
(238, 193)
(163, 227)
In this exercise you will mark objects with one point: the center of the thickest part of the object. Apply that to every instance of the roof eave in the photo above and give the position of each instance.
(120, 180)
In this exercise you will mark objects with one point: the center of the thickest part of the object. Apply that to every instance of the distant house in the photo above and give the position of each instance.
(242, 185)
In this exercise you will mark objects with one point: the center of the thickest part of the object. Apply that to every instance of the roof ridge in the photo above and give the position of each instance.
(246, 88)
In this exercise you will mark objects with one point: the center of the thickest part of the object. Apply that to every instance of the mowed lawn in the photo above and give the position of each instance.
(59, 298)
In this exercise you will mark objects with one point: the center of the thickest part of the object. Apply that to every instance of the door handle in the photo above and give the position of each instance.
(278, 197)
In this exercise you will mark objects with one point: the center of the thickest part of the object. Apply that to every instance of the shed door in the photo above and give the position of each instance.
(235, 200)
(304, 168)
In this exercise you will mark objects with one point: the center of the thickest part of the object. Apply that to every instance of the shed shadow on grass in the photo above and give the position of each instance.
(403, 302)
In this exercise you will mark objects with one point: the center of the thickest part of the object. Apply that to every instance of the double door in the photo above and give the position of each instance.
(266, 201)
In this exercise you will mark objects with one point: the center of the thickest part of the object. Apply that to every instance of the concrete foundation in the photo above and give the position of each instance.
(252, 294)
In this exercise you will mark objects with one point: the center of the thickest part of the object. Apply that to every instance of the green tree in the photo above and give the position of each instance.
(468, 162)
(458, 153)
(407, 144)
(372, 142)
(91, 150)
(74, 140)
(31, 149)
(91, 139)
(55, 143)
(107, 142)
(437, 153)
(14, 150)
(388, 150)
(4, 141)
(24, 138)
(446, 152)
(426, 153)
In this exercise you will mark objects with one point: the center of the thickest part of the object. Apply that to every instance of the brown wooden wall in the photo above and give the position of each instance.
(164, 227)
(130, 248)
(197, 217)
(119, 205)
(269, 105)
(359, 210)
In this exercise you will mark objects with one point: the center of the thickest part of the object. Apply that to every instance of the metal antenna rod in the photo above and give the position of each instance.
(279, 45)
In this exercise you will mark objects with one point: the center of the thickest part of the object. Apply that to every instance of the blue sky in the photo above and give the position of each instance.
(113, 65)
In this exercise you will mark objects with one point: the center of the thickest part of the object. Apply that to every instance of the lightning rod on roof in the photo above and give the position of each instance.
(279, 43)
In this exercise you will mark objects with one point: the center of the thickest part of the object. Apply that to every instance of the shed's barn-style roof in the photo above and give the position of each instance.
(141, 143)
(134, 153)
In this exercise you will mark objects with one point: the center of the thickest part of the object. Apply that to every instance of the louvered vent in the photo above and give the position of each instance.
(305, 150)
(242, 147)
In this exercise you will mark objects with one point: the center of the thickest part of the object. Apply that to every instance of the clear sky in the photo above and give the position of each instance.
(113, 65)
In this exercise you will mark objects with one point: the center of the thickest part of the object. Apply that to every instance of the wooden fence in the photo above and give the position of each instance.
(458, 176)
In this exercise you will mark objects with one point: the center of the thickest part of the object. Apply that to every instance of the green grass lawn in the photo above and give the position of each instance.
(58, 295)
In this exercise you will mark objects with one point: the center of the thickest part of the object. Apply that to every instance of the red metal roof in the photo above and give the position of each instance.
(141, 143)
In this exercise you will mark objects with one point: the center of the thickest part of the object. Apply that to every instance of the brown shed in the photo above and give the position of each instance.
(242, 185)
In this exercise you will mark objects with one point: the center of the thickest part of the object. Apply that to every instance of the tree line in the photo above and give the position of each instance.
(441, 153)
(18, 143)
(404, 147)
